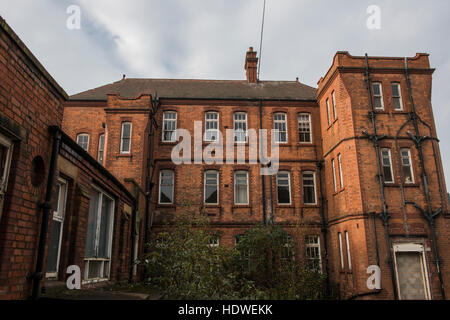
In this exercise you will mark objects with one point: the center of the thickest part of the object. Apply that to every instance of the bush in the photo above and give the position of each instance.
(183, 264)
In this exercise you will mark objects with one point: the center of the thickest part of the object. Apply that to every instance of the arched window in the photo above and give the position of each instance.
(211, 186)
(125, 138)
(241, 187)
(166, 186)
(280, 124)
(83, 141)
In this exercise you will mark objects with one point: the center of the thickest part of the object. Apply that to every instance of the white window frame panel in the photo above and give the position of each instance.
(211, 130)
(399, 88)
(328, 111)
(173, 187)
(102, 149)
(59, 216)
(88, 138)
(309, 122)
(341, 175)
(121, 138)
(281, 122)
(341, 250)
(314, 184)
(235, 184)
(314, 245)
(410, 165)
(204, 186)
(214, 241)
(418, 248)
(8, 144)
(333, 167)
(378, 96)
(349, 256)
(171, 120)
(333, 101)
(390, 165)
(239, 131)
(289, 187)
(102, 277)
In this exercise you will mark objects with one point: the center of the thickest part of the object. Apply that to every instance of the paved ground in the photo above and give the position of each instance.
(58, 291)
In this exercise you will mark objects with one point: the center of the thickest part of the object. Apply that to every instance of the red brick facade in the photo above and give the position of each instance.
(346, 210)
(31, 102)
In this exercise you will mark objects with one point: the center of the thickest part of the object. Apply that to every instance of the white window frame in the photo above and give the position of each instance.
(238, 131)
(410, 164)
(314, 185)
(341, 175)
(101, 148)
(59, 216)
(211, 130)
(333, 101)
(341, 250)
(169, 120)
(204, 186)
(390, 165)
(8, 144)
(281, 122)
(378, 96)
(88, 138)
(111, 228)
(333, 167)
(314, 244)
(235, 184)
(121, 137)
(289, 187)
(327, 101)
(418, 248)
(349, 257)
(214, 241)
(399, 88)
(308, 122)
(173, 186)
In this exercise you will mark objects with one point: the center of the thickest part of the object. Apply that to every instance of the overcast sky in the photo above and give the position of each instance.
(208, 39)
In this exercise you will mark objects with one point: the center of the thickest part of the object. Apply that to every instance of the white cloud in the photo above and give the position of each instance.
(208, 39)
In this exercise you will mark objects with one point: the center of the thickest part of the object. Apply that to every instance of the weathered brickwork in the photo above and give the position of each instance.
(349, 198)
(30, 103)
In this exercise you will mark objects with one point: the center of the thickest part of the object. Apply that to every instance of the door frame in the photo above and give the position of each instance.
(417, 248)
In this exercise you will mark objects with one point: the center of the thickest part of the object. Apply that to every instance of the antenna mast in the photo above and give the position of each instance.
(261, 40)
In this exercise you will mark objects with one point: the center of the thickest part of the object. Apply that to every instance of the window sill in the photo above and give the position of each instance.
(168, 205)
(411, 185)
(168, 143)
(94, 280)
(211, 206)
(241, 206)
(305, 205)
(124, 155)
(305, 144)
(281, 205)
(284, 144)
(400, 112)
(391, 184)
(380, 111)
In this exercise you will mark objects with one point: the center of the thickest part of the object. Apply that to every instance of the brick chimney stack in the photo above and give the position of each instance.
(251, 65)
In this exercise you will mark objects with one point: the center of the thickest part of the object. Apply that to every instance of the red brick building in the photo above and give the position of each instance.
(58, 206)
(360, 178)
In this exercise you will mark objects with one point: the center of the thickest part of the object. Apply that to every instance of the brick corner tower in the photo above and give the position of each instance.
(385, 188)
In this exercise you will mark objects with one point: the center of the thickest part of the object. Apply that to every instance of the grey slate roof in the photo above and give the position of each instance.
(202, 89)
